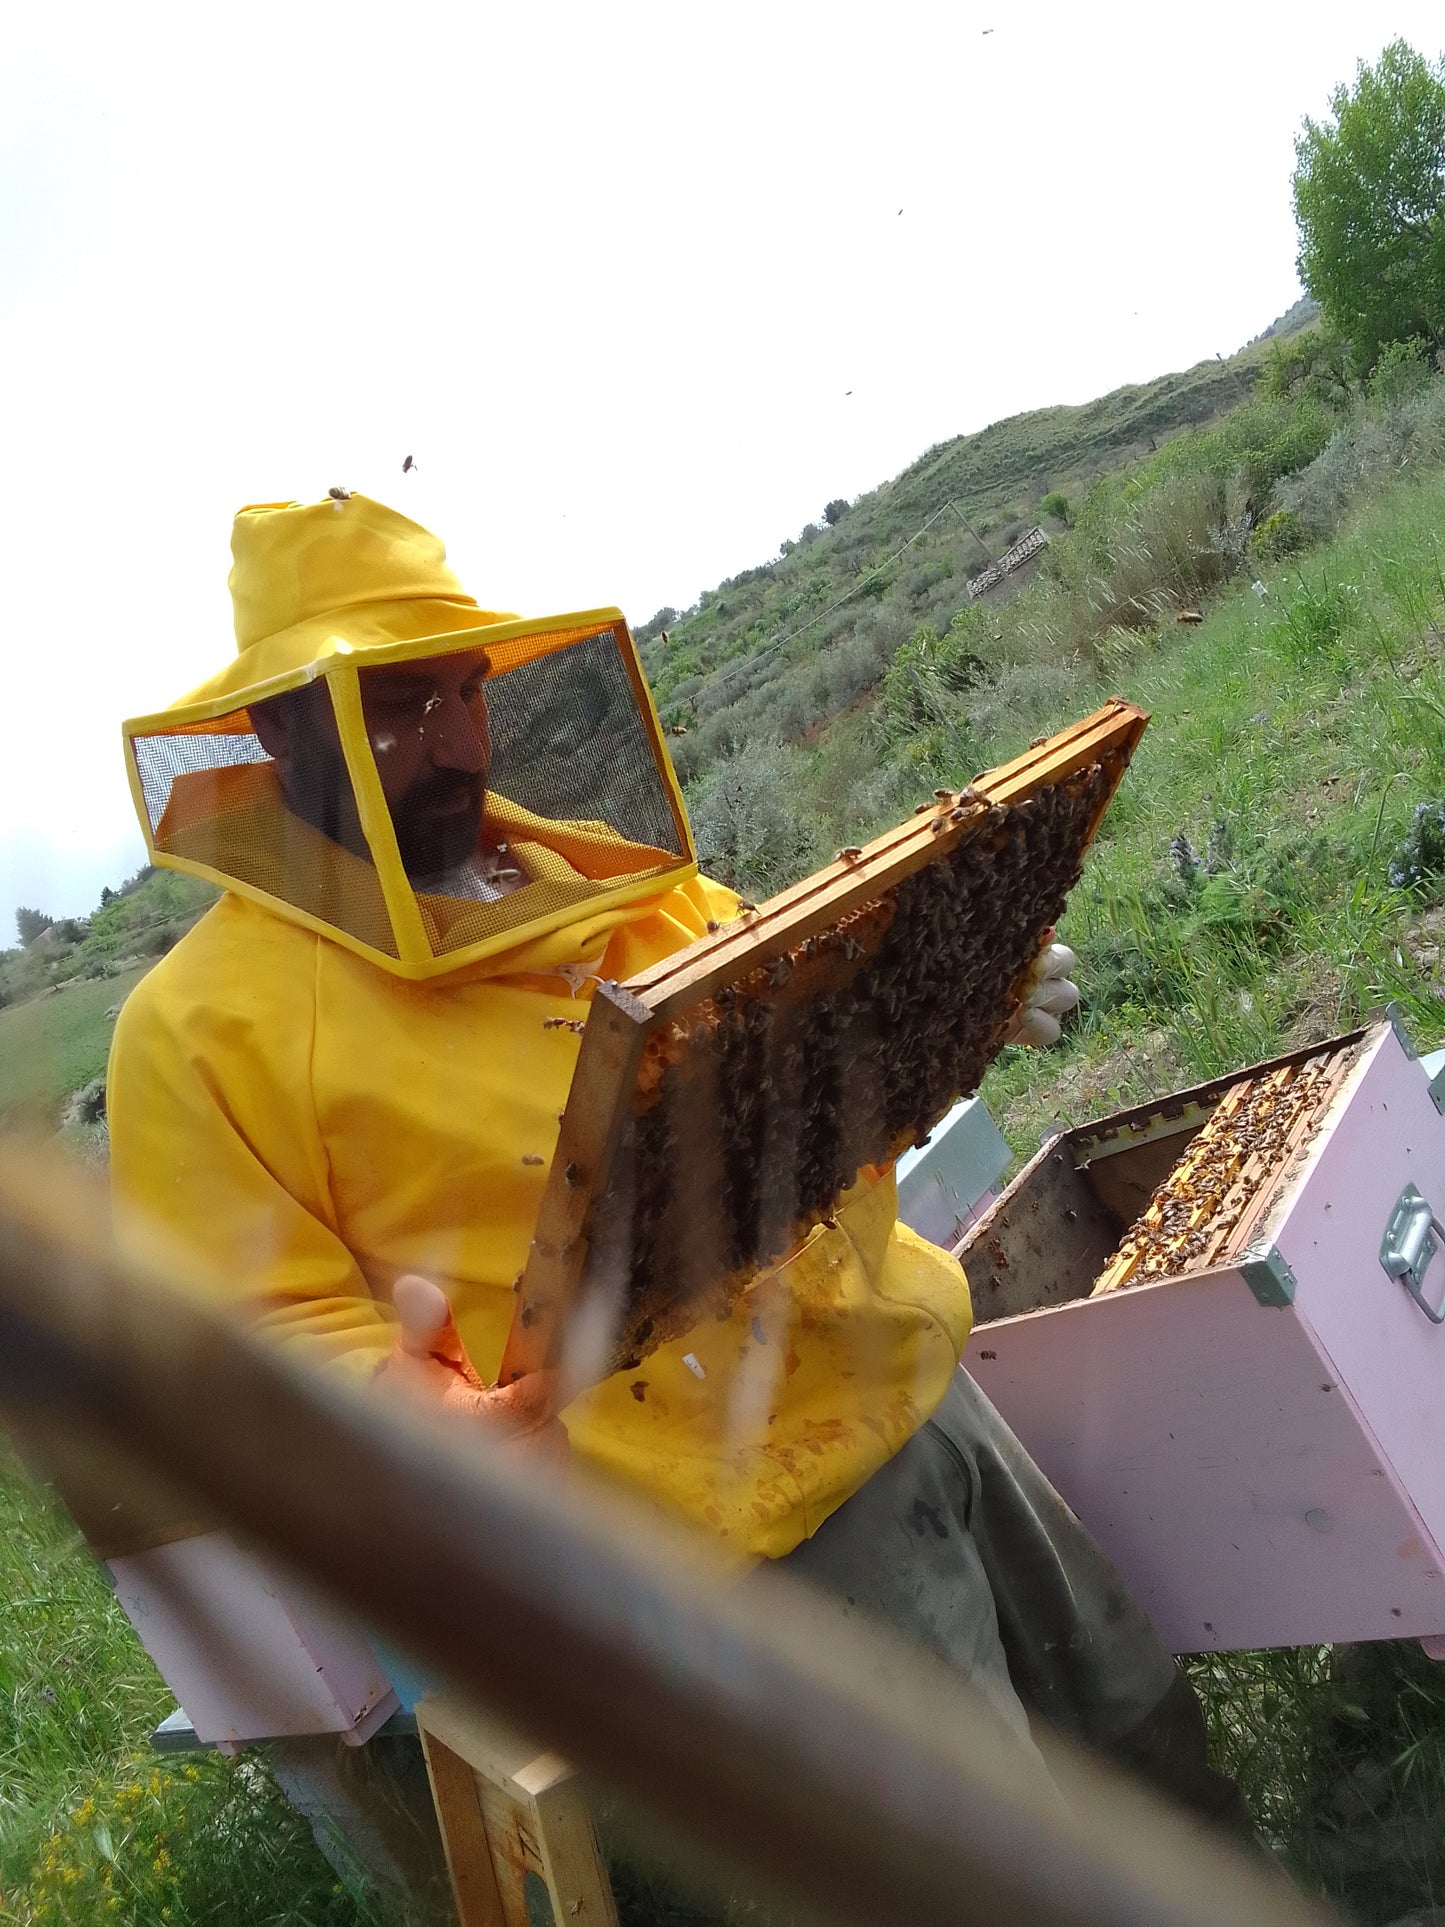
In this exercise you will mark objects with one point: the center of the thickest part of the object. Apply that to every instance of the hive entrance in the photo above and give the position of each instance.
(724, 1100)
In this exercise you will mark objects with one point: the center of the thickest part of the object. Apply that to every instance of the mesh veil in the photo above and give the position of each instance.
(580, 806)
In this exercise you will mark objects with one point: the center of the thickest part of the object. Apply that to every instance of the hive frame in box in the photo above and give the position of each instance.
(553, 1293)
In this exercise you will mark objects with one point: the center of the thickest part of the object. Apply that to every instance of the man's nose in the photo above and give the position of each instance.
(456, 734)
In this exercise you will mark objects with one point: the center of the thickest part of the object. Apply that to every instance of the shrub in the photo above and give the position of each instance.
(1055, 506)
(1420, 859)
(750, 828)
(1024, 700)
(1371, 448)
(1278, 535)
(835, 511)
(926, 681)
(1403, 370)
(1315, 362)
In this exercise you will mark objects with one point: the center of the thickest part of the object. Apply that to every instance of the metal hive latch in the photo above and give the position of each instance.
(1412, 1237)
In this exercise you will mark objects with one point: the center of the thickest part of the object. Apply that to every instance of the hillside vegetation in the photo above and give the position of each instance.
(777, 650)
(60, 992)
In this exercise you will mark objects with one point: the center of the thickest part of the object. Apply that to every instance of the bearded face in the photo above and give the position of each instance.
(426, 722)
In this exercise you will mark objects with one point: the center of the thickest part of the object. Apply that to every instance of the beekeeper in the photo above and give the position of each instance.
(436, 827)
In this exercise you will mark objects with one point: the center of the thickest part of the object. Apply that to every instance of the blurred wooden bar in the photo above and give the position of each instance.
(843, 1770)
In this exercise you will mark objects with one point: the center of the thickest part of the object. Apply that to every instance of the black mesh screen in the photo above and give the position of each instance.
(568, 741)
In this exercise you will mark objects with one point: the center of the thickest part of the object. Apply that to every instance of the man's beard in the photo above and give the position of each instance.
(431, 835)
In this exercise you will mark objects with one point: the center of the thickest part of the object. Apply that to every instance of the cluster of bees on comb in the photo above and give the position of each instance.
(1216, 1194)
(756, 1107)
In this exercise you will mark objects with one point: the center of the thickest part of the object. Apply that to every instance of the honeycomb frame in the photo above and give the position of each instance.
(725, 1099)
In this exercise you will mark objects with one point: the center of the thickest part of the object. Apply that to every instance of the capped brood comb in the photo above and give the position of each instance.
(1217, 1192)
(724, 1099)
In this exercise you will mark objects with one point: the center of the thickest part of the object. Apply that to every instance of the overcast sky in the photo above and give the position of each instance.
(607, 273)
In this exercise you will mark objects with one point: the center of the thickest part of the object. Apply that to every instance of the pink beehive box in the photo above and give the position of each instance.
(250, 1653)
(1257, 1440)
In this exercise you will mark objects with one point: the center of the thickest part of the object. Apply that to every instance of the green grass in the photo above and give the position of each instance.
(1311, 726)
(93, 1825)
(56, 1043)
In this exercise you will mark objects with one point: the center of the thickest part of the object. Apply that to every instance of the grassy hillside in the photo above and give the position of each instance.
(55, 1044)
(779, 649)
(59, 993)
(1241, 898)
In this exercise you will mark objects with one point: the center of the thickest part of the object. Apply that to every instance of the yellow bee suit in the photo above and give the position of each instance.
(314, 1127)
(336, 1078)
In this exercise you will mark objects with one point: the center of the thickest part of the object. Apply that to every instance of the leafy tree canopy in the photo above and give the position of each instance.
(1369, 197)
(30, 923)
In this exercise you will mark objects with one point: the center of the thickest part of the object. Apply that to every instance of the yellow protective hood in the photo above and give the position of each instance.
(582, 813)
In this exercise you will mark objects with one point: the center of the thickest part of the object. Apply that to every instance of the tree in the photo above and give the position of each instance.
(1369, 200)
(30, 923)
(835, 512)
(1055, 506)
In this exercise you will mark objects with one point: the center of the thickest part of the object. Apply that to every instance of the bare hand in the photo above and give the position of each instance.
(430, 1359)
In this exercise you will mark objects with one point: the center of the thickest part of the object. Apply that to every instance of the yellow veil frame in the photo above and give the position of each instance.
(338, 662)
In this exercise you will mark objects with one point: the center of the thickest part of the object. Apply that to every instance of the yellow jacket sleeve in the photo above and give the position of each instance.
(216, 1149)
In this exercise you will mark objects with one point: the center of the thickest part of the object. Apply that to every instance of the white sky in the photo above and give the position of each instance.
(607, 272)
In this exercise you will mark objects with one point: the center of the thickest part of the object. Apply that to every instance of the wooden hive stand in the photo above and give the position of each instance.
(520, 1845)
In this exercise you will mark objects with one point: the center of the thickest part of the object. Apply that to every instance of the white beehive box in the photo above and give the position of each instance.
(945, 1185)
(1257, 1445)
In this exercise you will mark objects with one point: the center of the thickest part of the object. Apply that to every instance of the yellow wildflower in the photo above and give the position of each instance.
(161, 1861)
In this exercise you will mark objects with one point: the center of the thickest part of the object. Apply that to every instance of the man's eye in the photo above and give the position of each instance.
(400, 702)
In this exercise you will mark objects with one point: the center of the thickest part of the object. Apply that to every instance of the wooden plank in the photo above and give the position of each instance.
(617, 1030)
(1109, 1135)
(464, 1833)
(830, 893)
(533, 1812)
(495, 1749)
(575, 1872)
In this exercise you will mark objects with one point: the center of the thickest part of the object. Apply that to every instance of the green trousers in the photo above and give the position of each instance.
(962, 1546)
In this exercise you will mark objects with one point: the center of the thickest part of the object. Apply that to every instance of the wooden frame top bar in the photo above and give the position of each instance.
(841, 886)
